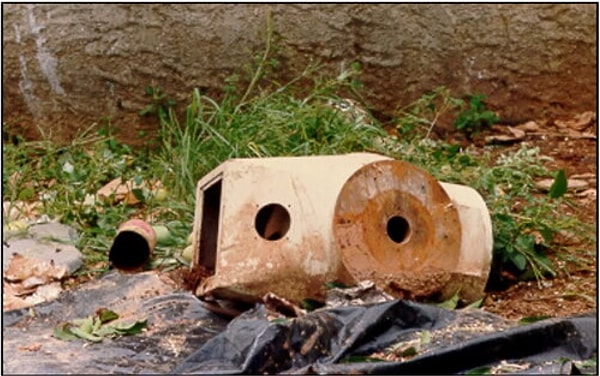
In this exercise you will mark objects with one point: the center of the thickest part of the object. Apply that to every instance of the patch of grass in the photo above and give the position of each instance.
(276, 123)
(417, 119)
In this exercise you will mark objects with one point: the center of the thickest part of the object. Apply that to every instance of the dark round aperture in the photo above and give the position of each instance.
(129, 251)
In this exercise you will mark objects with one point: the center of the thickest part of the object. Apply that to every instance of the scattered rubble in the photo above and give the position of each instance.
(35, 260)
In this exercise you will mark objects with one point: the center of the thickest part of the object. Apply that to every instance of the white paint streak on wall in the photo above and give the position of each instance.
(25, 84)
(26, 87)
(17, 34)
(45, 59)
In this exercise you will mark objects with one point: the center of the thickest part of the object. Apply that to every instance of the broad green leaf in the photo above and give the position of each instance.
(425, 337)
(479, 371)
(411, 351)
(530, 319)
(62, 331)
(475, 304)
(518, 260)
(311, 304)
(131, 328)
(547, 234)
(543, 261)
(333, 285)
(138, 194)
(86, 325)
(85, 335)
(97, 325)
(106, 315)
(559, 187)
(450, 303)
(278, 321)
(107, 331)
(525, 242)
(123, 328)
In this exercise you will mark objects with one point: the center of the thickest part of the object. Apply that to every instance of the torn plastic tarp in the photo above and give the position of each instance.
(331, 341)
(183, 337)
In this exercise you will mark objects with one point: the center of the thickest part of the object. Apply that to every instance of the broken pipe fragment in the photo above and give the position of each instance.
(133, 245)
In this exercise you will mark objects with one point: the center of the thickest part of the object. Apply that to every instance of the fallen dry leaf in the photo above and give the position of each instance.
(518, 133)
(586, 135)
(17, 289)
(10, 301)
(572, 185)
(530, 126)
(20, 268)
(15, 210)
(45, 293)
(502, 138)
(13, 180)
(514, 135)
(131, 199)
(116, 188)
(14, 298)
(120, 190)
(32, 347)
(539, 239)
(32, 282)
(588, 193)
(587, 175)
(579, 122)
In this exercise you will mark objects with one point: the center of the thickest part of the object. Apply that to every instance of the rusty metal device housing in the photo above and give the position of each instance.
(289, 225)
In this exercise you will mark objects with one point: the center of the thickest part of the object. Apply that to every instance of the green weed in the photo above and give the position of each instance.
(476, 116)
(418, 119)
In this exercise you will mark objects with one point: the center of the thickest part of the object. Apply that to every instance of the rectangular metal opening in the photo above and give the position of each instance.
(209, 229)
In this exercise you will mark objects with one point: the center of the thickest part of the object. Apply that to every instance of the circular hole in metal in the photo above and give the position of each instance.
(272, 222)
(398, 229)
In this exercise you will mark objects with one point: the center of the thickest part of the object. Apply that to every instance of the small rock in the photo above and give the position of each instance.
(53, 231)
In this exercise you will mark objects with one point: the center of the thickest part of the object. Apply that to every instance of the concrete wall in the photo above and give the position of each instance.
(67, 66)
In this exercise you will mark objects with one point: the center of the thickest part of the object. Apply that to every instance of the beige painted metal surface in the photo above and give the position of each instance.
(288, 249)
(475, 256)
(288, 225)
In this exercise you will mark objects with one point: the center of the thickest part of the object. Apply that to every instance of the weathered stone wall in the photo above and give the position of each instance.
(67, 66)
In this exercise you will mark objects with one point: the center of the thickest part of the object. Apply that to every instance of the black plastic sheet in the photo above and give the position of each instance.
(330, 341)
(183, 337)
(177, 325)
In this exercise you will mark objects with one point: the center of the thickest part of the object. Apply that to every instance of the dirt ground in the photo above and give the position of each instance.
(573, 146)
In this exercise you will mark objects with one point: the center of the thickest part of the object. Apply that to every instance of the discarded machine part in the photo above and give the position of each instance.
(397, 225)
(289, 225)
(133, 245)
(263, 225)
